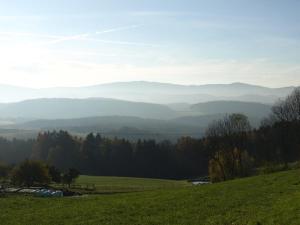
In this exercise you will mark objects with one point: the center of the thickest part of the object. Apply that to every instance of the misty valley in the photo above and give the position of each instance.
(168, 111)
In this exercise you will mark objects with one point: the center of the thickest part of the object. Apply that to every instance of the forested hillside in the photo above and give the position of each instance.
(230, 148)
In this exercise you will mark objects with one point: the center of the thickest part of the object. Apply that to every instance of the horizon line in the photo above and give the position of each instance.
(145, 81)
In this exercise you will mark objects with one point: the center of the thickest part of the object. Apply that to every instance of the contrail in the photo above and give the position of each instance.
(83, 36)
(68, 38)
(118, 29)
(30, 35)
(55, 39)
(121, 42)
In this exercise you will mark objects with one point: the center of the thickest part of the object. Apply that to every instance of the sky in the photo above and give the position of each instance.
(87, 42)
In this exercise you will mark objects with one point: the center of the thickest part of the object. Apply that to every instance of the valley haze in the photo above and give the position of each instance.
(154, 92)
(131, 110)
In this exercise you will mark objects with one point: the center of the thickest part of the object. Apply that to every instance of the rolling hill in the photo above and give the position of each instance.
(265, 199)
(110, 117)
(250, 109)
(151, 92)
(77, 108)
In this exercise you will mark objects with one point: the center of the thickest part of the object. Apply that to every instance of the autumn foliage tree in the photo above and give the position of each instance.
(224, 166)
(227, 137)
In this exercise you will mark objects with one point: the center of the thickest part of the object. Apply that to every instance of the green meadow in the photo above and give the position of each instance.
(265, 199)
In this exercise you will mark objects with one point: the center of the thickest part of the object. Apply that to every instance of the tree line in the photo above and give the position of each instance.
(229, 149)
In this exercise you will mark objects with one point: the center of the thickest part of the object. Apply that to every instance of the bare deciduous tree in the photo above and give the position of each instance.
(288, 110)
(229, 125)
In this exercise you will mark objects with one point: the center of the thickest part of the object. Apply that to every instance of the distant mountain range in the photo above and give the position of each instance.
(250, 109)
(63, 108)
(132, 109)
(132, 120)
(152, 92)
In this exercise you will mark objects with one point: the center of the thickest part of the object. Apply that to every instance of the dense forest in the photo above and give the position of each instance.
(230, 148)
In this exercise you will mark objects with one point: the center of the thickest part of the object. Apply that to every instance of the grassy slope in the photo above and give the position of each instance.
(268, 199)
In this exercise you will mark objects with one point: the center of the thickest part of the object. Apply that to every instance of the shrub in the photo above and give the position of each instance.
(55, 174)
(69, 177)
(30, 173)
(4, 171)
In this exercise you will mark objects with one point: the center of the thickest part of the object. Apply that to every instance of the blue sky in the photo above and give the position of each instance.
(75, 43)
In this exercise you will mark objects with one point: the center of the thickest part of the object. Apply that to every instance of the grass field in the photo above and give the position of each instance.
(127, 184)
(267, 199)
